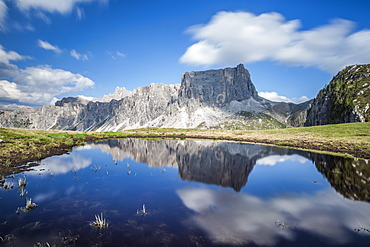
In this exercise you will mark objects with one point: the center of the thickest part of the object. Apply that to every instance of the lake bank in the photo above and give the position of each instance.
(18, 146)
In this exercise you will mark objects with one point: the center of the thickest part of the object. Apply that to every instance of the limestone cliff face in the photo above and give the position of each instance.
(218, 87)
(224, 98)
(345, 99)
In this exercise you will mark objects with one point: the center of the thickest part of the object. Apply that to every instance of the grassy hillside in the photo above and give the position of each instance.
(19, 145)
(348, 92)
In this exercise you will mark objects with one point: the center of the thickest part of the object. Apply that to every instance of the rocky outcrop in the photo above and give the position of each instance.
(345, 99)
(218, 87)
(224, 98)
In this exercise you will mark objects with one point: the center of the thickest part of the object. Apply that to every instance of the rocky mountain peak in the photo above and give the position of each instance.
(218, 87)
(119, 93)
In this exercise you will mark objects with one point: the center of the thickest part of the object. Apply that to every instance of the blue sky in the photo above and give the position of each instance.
(58, 48)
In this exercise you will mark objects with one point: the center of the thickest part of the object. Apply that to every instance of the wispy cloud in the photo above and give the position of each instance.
(47, 46)
(242, 37)
(80, 13)
(274, 96)
(43, 17)
(116, 54)
(39, 8)
(3, 13)
(120, 54)
(62, 7)
(78, 56)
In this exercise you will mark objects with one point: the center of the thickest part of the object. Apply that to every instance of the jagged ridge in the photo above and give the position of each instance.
(223, 98)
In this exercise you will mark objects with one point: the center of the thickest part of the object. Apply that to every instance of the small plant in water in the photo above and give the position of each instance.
(29, 206)
(41, 244)
(22, 182)
(8, 185)
(142, 212)
(361, 228)
(100, 222)
(96, 168)
(281, 224)
(23, 192)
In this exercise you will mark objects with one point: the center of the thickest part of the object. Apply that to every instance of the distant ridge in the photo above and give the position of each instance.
(217, 99)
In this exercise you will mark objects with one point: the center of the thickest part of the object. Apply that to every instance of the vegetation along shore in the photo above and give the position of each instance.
(18, 146)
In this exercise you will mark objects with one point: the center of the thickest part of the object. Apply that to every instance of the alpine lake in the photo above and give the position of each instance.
(132, 192)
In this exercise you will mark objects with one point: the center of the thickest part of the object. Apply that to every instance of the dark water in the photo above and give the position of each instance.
(196, 193)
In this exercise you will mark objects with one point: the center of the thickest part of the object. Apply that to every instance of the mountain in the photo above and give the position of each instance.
(223, 98)
(345, 99)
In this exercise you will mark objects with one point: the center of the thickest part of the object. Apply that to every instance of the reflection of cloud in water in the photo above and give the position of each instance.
(236, 218)
(44, 196)
(273, 159)
(61, 164)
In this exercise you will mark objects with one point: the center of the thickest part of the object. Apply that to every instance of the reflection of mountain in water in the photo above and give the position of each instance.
(219, 163)
(349, 177)
(229, 164)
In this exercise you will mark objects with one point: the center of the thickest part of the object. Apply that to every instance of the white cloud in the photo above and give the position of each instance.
(7, 56)
(62, 7)
(78, 56)
(16, 94)
(241, 37)
(6, 68)
(231, 218)
(47, 46)
(83, 97)
(55, 81)
(35, 86)
(273, 96)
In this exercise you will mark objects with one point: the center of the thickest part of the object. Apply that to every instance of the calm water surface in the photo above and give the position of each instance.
(196, 193)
